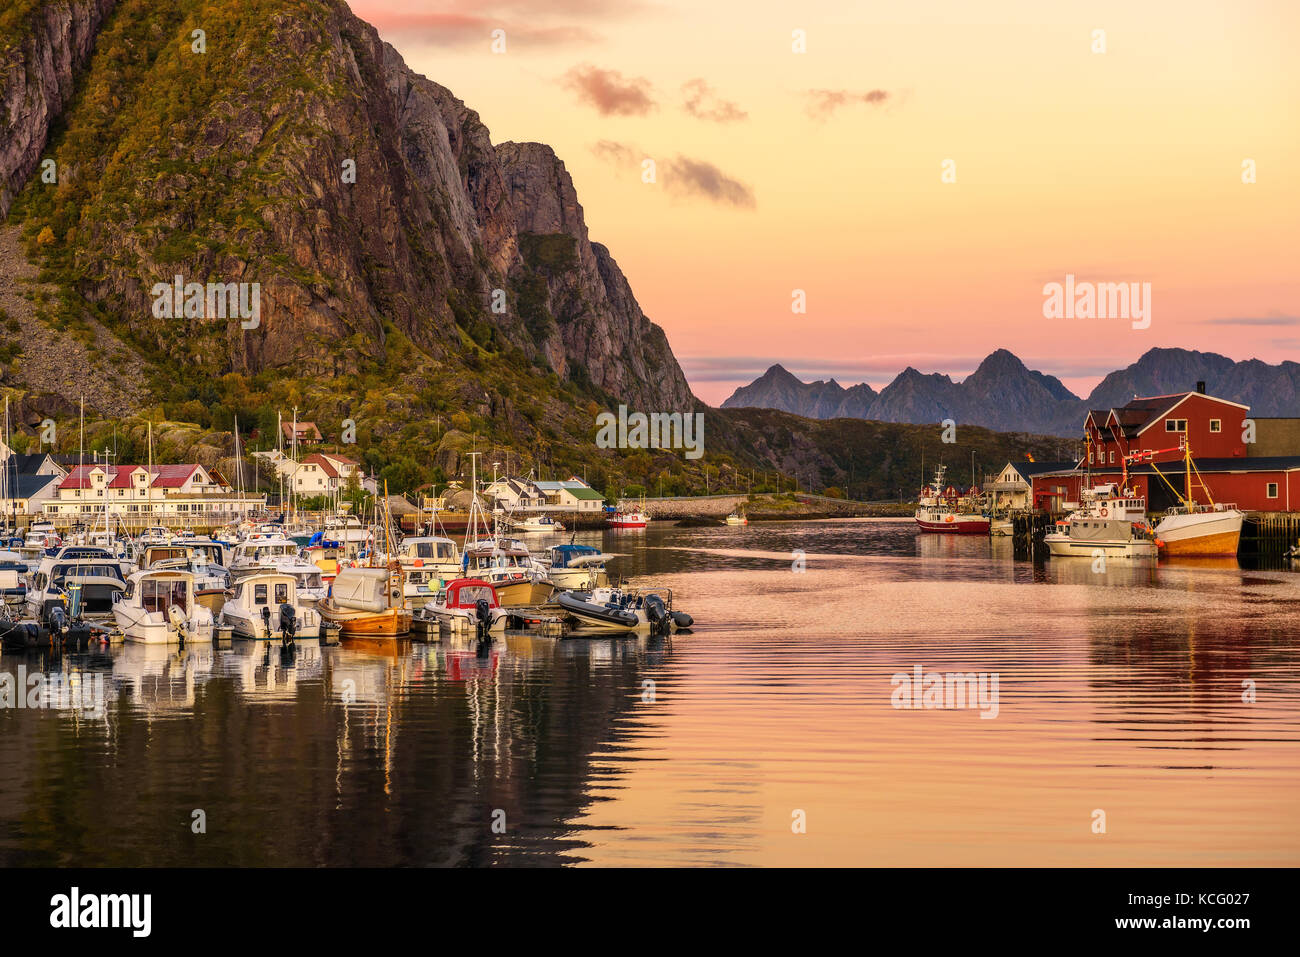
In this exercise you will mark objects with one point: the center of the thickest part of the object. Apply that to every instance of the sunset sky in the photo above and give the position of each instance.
(822, 170)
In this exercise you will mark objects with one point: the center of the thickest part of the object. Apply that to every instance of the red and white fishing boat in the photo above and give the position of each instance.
(943, 510)
(630, 518)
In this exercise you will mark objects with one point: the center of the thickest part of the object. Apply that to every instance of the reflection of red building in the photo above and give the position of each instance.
(1217, 431)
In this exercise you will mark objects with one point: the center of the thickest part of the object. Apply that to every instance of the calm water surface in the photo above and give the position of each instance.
(1119, 692)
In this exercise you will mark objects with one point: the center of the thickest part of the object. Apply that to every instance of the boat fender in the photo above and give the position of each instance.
(1103, 513)
(682, 620)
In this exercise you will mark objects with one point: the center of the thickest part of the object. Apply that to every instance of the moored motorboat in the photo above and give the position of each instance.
(737, 517)
(537, 524)
(629, 519)
(578, 566)
(466, 605)
(367, 602)
(517, 579)
(623, 610)
(158, 607)
(267, 605)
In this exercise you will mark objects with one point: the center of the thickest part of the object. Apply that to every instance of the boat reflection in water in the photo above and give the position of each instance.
(1119, 688)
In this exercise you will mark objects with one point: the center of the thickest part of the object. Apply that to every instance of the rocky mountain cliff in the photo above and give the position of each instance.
(1003, 394)
(43, 46)
(296, 150)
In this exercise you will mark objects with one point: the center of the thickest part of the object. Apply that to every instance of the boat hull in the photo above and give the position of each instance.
(393, 623)
(514, 594)
(1200, 534)
(954, 524)
(1061, 546)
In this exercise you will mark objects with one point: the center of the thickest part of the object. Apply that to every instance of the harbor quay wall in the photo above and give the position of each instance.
(760, 507)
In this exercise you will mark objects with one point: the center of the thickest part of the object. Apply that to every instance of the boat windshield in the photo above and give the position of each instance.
(62, 572)
(466, 596)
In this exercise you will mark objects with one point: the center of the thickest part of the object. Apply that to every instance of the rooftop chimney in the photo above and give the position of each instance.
(1200, 387)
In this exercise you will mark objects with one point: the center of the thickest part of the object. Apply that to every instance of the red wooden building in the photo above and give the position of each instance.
(1156, 427)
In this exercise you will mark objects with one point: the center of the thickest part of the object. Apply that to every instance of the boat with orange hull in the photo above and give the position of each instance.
(370, 601)
(1194, 529)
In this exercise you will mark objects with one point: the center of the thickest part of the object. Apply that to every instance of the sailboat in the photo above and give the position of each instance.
(1192, 528)
(368, 601)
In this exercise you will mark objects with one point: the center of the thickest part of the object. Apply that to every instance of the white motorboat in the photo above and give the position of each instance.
(457, 607)
(81, 580)
(1109, 520)
(267, 605)
(536, 524)
(433, 552)
(155, 535)
(262, 554)
(737, 518)
(352, 537)
(159, 607)
(43, 536)
(578, 566)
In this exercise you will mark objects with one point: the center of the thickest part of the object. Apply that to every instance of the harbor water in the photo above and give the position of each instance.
(1138, 714)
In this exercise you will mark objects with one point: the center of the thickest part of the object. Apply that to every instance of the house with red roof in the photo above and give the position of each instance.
(163, 491)
(1223, 439)
(323, 473)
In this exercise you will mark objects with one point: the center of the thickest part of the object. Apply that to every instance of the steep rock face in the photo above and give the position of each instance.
(301, 153)
(599, 323)
(37, 74)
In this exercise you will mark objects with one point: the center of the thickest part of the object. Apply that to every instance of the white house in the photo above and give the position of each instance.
(168, 490)
(512, 494)
(572, 495)
(26, 494)
(323, 473)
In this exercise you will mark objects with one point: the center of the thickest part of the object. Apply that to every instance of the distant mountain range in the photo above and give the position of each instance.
(1005, 395)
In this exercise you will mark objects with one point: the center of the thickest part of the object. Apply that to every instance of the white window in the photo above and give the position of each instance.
(1216, 425)
(1112, 457)
(1272, 490)
(1175, 425)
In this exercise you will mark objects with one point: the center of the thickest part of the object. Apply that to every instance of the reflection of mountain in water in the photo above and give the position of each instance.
(364, 756)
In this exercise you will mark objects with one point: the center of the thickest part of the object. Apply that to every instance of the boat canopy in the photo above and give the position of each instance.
(566, 556)
(465, 593)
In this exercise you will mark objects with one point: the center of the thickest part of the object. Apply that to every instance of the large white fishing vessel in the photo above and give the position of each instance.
(1109, 520)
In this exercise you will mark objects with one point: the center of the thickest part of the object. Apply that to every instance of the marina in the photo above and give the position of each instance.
(1124, 684)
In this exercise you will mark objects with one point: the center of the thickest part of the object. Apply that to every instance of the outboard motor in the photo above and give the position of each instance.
(266, 620)
(657, 614)
(482, 619)
(288, 624)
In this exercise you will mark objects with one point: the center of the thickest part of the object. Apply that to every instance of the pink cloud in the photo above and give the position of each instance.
(610, 92)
